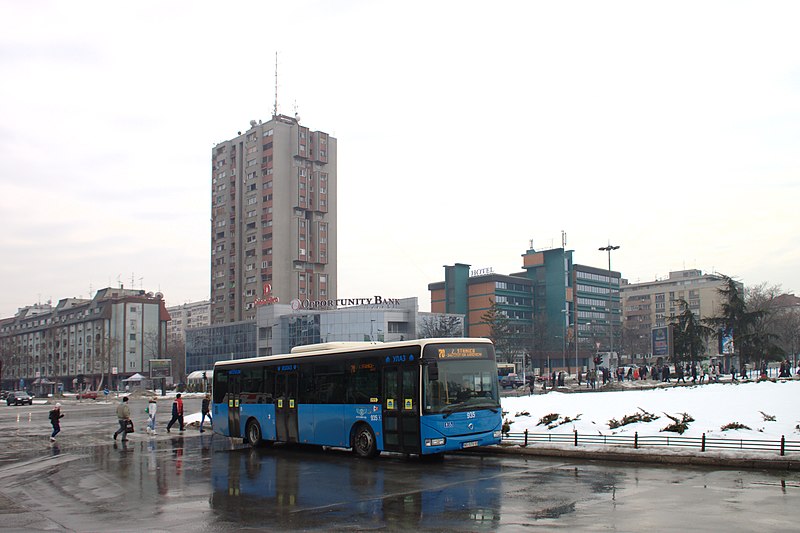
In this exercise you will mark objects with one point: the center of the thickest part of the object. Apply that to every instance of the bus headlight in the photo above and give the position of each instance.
(497, 434)
(434, 442)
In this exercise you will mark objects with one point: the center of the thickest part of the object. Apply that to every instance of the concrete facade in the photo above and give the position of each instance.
(188, 315)
(650, 304)
(105, 339)
(280, 327)
(543, 304)
(273, 216)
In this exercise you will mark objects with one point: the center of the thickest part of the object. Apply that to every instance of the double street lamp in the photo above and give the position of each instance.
(610, 249)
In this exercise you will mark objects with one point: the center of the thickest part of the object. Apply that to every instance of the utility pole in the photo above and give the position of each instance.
(609, 249)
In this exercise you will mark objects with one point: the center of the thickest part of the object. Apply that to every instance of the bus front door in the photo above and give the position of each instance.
(286, 387)
(401, 409)
(234, 399)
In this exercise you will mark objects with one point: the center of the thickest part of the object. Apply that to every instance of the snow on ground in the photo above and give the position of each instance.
(711, 406)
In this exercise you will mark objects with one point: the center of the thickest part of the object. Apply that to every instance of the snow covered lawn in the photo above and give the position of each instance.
(711, 406)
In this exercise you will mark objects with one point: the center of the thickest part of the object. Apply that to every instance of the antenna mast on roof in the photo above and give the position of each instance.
(275, 107)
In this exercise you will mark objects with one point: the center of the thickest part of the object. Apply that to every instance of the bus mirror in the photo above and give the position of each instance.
(433, 372)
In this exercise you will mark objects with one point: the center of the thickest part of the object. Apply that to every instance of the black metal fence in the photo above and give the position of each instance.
(641, 441)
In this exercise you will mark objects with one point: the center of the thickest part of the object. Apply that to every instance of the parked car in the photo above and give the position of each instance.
(511, 381)
(19, 397)
(87, 395)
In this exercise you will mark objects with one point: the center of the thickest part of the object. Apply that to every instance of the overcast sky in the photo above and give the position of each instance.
(465, 130)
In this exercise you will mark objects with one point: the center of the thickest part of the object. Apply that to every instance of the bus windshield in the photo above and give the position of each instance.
(460, 385)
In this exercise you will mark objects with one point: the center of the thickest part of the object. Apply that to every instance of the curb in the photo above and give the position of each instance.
(749, 463)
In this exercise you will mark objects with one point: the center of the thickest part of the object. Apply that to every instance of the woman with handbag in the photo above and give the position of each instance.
(124, 417)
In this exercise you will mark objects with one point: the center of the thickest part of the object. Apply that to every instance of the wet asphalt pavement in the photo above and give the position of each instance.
(204, 482)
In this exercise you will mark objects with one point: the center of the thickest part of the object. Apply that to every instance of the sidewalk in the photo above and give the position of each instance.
(649, 456)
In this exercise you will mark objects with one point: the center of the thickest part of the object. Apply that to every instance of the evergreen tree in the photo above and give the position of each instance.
(689, 335)
(750, 340)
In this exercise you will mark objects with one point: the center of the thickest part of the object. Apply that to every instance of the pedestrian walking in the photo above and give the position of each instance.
(177, 413)
(679, 375)
(55, 416)
(204, 410)
(123, 415)
(152, 409)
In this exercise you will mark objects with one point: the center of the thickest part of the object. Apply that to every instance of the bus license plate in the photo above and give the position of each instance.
(470, 444)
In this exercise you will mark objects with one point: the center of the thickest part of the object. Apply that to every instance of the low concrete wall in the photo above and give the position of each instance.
(709, 459)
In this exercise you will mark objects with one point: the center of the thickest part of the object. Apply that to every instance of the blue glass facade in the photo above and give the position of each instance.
(207, 345)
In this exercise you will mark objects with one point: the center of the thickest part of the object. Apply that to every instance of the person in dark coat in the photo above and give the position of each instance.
(177, 413)
(679, 374)
(204, 410)
(55, 419)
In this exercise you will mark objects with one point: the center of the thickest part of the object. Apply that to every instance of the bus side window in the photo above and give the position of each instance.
(252, 382)
(220, 386)
(363, 381)
(269, 384)
(305, 389)
(329, 380)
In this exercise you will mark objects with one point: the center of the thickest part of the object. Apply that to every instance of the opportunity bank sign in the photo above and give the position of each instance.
(375, 301)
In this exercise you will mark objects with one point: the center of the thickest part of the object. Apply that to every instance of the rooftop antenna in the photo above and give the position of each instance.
(275, 107)
(563, 239)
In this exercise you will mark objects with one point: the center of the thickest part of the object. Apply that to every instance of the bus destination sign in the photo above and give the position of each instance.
(460, 352)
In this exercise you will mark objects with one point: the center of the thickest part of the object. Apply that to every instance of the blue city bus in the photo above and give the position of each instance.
(426, 396)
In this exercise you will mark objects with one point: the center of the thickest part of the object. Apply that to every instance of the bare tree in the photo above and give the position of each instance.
(441, 326)
(176, 352)
(499, 330)
(634, 341)
(787, 326)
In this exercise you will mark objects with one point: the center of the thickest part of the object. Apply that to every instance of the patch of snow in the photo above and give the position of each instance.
(712, 407)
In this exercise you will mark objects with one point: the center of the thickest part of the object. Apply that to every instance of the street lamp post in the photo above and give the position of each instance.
(609, 249)
(564, 344)
(575, 340)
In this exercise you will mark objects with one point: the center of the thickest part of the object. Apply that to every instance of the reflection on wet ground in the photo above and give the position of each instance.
(207, 483)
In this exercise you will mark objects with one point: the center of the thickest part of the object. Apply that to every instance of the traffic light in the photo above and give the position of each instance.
(204, 376)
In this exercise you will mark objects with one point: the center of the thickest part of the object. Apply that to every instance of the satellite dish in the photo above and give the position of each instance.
(253, 123)
(159, 296)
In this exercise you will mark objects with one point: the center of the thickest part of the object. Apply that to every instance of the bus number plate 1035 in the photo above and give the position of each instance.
(470, 444)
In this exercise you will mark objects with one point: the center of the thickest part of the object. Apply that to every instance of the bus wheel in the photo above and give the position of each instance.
(254, 434)
(364, 442)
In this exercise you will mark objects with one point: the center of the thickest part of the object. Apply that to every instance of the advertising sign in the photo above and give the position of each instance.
(660, 341)
(727, 342)
(160, 368)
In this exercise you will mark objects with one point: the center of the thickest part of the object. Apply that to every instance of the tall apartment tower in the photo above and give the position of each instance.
(273, 216)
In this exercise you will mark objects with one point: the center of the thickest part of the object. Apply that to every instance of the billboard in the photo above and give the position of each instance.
(726, 341)
(160, 368)
(660, 340)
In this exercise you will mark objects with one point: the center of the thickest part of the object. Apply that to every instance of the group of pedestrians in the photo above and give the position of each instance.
(123, 412)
